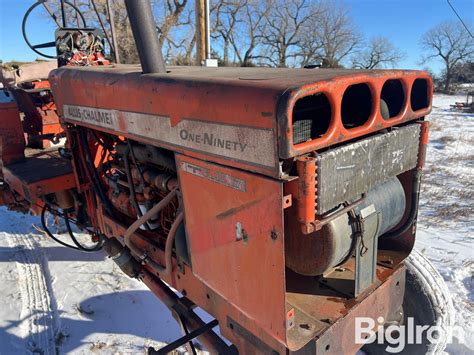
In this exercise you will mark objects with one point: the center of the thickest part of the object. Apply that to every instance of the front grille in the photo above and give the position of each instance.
(302, 130)
(345, 172)
(311, 117)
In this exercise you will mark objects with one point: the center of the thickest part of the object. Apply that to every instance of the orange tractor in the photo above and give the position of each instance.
(281, 201)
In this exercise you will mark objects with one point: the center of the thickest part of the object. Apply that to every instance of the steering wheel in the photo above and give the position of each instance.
(53, 16)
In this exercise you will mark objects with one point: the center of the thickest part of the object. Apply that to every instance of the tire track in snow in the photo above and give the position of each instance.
(39, 310)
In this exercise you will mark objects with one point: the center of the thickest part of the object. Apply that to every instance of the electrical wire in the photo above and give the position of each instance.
(460, 19)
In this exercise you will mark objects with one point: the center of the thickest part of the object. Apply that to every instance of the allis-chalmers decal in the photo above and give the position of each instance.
(246, 144)
(86, 114)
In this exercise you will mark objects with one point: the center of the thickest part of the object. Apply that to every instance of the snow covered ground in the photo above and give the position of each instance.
(56, 300)
(446, 217)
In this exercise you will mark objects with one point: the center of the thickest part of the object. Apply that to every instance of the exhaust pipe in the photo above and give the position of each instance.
(146, 37)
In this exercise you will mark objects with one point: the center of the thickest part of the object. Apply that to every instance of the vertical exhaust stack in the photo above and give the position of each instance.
(146, 37)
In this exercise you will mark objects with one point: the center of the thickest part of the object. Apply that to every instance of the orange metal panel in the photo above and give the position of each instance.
(306, 168)
(32, 191)
(12, 143)
(334, 90)
(41, 172)
(234, 224)
(425, 126)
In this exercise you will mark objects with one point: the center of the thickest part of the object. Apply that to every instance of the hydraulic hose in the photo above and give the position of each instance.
(47, 231)
(80, 246)
(133, 194)
(147, 216)
(169, 240)
(96, 184)
(166, 269)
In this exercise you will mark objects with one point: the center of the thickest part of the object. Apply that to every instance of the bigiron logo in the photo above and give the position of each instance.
(212, 140)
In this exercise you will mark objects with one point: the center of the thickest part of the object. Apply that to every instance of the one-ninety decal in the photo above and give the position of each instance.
(212, 140)
(253, 145)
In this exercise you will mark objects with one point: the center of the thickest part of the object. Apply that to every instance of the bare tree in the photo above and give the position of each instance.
(283, 28)
(330, 37)
(176, 27)
(126, 44)
(339, 36)
(450, 42)
(379, 53)
(172, 11)
(283, 33)
(248, 35)
(238, 26)
(248, 32)
(226, 17)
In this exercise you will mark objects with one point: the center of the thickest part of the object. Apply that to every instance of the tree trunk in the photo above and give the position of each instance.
(447, 82)
(282, 59)
(226, 52)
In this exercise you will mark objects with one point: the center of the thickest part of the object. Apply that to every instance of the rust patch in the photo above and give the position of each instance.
(340, 138)
(347, 303)
(234, 210)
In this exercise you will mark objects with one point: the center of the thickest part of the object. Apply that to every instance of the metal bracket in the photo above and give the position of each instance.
(366, 249)
(353, 283)
(287, 201)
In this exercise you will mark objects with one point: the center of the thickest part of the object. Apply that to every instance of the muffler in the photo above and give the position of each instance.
(316, 253)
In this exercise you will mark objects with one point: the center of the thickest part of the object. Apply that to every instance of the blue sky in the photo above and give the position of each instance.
(405, 21)
(402, 21)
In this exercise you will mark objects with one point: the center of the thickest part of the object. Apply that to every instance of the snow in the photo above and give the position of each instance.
(445, 223)
(55, 298)
(62, 301)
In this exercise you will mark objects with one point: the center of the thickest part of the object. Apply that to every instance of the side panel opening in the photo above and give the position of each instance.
(392, 98)
(419, 95)
(356, 105)
(311, 117)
